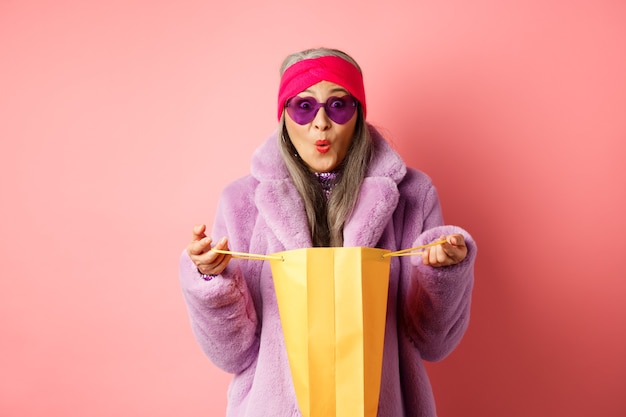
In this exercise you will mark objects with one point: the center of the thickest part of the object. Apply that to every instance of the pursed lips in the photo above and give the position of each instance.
(322, 145)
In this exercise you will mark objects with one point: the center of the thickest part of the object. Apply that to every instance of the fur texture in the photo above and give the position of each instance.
(235, 316)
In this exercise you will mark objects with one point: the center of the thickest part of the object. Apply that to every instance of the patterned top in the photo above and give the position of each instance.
(327, 181)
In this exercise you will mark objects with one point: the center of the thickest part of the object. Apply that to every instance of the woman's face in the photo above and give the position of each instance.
(322, 143)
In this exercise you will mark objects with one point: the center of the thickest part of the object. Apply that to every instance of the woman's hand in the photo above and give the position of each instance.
(451, 252)
(199, 250)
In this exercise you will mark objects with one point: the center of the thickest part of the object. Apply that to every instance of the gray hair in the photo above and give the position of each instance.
(327, 217)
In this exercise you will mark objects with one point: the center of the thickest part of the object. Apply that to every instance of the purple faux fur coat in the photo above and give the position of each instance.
(235, 316)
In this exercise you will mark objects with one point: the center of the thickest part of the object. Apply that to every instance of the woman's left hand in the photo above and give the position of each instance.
(451, 252)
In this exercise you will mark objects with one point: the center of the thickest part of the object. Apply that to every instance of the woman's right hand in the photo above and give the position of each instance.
(199, 250)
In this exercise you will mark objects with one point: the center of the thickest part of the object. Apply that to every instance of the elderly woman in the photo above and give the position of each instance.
(326, 178)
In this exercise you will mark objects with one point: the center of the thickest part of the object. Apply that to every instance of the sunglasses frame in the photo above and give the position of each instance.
(339, 116)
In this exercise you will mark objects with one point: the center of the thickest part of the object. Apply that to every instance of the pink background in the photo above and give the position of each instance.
(121, 121)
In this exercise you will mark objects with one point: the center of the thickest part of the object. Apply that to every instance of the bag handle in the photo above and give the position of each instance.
(411, 251)
(257, 257)
(249, 256)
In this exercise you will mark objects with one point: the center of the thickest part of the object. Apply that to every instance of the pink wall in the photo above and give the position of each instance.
(120, 122)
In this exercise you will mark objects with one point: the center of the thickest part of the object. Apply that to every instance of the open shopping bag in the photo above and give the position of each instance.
(333, 307)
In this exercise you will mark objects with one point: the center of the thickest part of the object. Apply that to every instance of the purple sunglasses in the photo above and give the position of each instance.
(303, 109)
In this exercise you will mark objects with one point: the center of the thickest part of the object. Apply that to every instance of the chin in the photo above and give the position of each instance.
(325, 168)
(322, 166)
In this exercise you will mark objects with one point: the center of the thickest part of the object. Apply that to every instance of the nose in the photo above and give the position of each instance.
(321, 121)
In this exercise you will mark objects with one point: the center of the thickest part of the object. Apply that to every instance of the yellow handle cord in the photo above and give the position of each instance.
(250, 256)
(411, 251)
(256, 257)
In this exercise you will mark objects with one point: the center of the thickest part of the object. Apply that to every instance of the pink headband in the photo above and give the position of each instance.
(303, 74)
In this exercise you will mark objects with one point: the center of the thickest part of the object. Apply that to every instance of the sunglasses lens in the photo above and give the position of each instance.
(303, 109)
(340, 109)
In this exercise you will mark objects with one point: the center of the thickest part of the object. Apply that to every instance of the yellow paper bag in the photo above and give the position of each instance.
(333, 304)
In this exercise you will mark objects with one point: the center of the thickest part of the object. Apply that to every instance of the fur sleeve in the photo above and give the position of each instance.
(222, 313)
(438, 300)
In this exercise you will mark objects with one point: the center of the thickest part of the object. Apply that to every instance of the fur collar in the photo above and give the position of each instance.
(280, 205)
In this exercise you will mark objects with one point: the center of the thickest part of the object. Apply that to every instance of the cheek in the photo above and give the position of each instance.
(288, 124)
(294, 131)
(347, 135)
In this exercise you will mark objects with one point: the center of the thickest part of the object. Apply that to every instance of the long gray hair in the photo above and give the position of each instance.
(327, 217)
